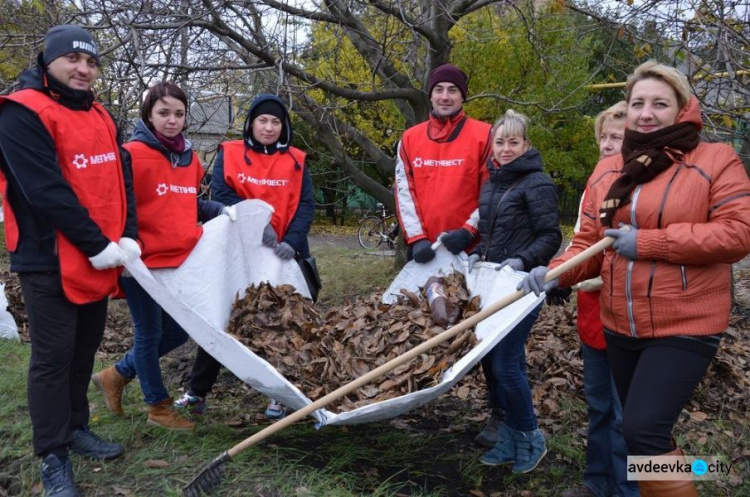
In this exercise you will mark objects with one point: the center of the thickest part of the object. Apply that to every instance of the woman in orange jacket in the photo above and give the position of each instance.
(666, 296)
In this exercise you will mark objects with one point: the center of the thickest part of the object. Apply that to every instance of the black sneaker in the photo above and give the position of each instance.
(57, 477)
(86, 443)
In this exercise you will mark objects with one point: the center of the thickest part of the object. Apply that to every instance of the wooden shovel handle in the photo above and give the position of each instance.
(415, 352)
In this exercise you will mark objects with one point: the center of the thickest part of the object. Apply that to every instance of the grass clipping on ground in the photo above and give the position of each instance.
(320, 353)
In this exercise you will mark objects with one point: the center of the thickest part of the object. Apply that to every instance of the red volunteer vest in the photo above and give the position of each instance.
(86, 145)
(167, 204)
(446, 177)
(589, 320)
(272, 178)
(590, 327)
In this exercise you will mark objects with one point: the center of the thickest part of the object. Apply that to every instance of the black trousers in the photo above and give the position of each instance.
(205, 371)
(654, 383)
(64, 340)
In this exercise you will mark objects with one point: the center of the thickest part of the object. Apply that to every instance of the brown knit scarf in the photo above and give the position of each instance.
(645, 156)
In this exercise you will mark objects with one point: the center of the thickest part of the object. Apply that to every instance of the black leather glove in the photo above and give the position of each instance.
(422, 251)
(457, 240)
(559, 296)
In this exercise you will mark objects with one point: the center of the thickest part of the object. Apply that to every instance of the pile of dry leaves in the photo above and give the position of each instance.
(321, 353)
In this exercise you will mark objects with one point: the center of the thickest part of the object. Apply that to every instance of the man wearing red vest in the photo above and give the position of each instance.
(70, 221)
(440, 168)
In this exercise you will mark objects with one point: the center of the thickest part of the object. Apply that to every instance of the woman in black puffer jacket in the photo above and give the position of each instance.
(519, 225)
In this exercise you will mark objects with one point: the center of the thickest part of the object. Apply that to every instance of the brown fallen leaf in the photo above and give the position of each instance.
(122, 491)
(237, 422)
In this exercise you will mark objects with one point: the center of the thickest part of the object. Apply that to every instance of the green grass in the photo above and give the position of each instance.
(348, 273)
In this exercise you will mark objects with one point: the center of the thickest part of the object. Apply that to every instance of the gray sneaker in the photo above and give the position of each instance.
(488, 436)
(86, 443)
(504, 451)
(57, 477)
(530, 449)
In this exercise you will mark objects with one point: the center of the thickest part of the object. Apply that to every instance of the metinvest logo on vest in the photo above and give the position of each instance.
(420, 162)
(80, 161)
(243, 178)
(163, 188)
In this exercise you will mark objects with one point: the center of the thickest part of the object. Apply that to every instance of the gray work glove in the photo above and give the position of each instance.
(269, 236)
(422, 251)
(513, 263)
(130, 248)
(534, 281)
(473, 259)
(231, 212)
(111, 256)
(284, 251)
(626, 242)
(457, 240)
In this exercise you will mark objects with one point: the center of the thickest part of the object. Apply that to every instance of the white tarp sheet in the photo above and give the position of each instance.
(229, 257)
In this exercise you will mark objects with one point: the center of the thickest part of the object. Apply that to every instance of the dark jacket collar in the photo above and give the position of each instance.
(142, 133)
(529, 162)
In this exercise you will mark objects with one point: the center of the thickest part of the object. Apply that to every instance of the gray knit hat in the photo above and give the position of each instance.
(68, 38)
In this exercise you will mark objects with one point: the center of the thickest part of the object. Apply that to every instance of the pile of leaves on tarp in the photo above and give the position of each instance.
(319, 353)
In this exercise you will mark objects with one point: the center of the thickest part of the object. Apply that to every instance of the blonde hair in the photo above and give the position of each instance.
(617, 112)
(513, 123)
(668, 74)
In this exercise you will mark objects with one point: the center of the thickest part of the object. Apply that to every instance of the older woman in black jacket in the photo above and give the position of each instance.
(519, 228)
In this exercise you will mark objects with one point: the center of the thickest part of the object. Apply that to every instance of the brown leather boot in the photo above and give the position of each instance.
(681, 488)
(163, 415)
(111, 383)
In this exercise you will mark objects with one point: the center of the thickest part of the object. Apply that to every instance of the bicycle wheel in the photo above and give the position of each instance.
(370, 232)
(391, 224)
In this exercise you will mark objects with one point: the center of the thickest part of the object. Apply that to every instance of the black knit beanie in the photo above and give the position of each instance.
(68, 38)
(270, 107)
(448, 73)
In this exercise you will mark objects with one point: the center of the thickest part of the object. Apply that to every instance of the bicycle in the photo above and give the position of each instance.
(377, 230)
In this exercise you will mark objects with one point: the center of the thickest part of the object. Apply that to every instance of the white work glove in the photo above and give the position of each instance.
(269, 236)
(591, 285)
(284, 251)
(130, 248)
(111, 256)
(473, 259)
(231, 212)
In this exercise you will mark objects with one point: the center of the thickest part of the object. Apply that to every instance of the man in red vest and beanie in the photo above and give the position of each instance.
(69, 223)
(440, 168)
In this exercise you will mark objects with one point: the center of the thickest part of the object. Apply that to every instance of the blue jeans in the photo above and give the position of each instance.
(156, 334)
(505, 372)
(606, 452)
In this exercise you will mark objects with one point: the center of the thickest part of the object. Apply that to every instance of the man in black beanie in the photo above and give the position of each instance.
(440, 168)
(70, 221)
